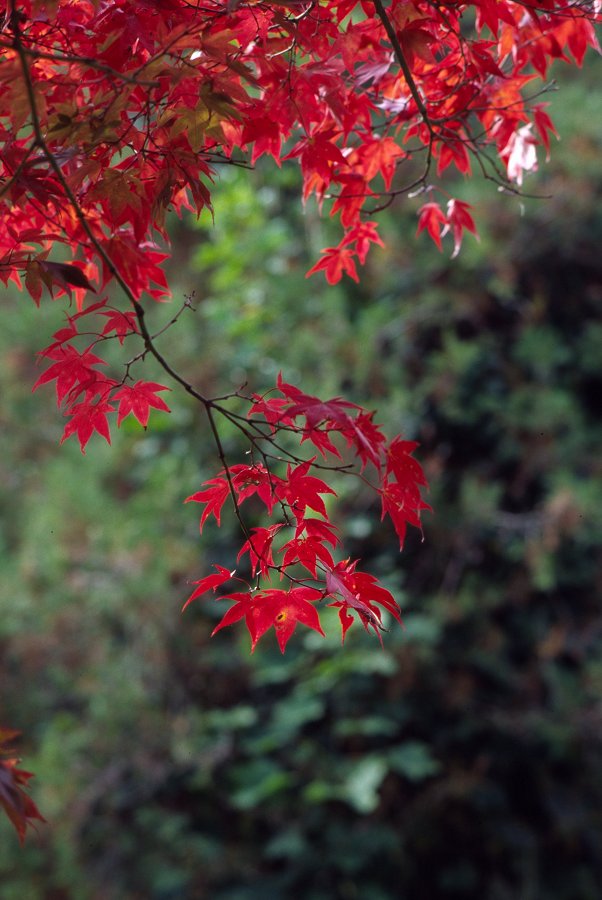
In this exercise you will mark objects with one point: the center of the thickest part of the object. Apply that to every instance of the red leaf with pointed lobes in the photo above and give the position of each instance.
(306, 552)
(544, 126)
(62, 336)
(265, 136)
(403, 505)
(316, 528)
(350, 201)
(378, 157)
(319, 154)
(139, 399)
(209, 583)
(456, 152)
(122, 323)
(322, 417)
(301, 490)
(402, 464)
(482, 56)
(360, 592)
(70, 369)
(401, 499)
(213, 497)
(316, 411)
(273, 409)
(582, 35)
(18, 806)
(367, 438)
(85, 419)
(276, 609)
(363, 235)
(259, 548)
(489, 12)
(256, 479)
(459, 218)
(416, 43)
(336, 262)
(433, 219)
(246, 481)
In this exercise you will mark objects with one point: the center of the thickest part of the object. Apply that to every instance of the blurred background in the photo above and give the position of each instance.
(462, 761)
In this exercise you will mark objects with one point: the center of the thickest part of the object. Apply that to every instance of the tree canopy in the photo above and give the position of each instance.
(112, 114)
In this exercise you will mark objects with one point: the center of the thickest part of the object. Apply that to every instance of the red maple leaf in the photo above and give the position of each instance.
(306, 552)
(209, 583)
(275, 608)
(301, 490)
(367, 438)
(259, 548)
(319, 153)
(359, 592)
(213, 497)
(244, 481)
(71, 369)
(122, 323)
(336, 262)
(403, 504)
(432, 218)
(362, 236)
(256, 479)
(18, 806)
(316, 528)
(87, 417)
(138, 399)
(401, 463)
(316, 411)
(459, 218)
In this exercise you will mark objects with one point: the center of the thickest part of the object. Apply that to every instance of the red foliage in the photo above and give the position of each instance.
(18, 806)
(301, 539)
(114, 113)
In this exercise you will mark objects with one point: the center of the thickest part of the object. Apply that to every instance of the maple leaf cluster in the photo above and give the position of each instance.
(300, 545)
(86, 394)
(114, 113)
(126, 109)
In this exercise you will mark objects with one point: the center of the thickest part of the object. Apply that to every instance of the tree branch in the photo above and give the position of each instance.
(405, 68)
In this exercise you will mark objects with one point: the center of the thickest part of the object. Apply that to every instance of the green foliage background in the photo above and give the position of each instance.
(464, 760)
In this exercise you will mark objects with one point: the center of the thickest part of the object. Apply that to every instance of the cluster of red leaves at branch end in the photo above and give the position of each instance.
(138, 102)
(18, 806)
(300, 545)
(85, 393)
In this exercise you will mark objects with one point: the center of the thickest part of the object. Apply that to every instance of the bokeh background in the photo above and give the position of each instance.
(462, 761)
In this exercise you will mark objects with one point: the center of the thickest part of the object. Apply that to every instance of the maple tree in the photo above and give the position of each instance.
(114, 113)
